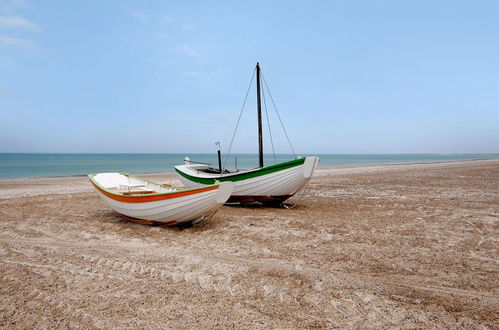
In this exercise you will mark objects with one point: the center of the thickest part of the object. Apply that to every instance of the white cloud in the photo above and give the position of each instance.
(207, 75)
(17, 22)
(11, 5)
(188, 50)
(177, 23)
(168, 20)
(188, 26)
(7, 62)
(164, 35)
(17, 43)
(3, 91)
(166, 61)
(193, 74)
(139, 16)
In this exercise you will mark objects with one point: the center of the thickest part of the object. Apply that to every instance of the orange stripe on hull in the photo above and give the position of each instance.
(151, 198)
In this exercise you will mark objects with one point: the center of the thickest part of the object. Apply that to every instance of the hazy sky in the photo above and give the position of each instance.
(170, 76)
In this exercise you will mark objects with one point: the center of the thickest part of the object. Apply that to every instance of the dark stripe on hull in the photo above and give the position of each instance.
(149, 222)
(246, 199)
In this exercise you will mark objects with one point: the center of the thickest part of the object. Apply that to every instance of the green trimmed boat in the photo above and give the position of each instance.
(265, 184)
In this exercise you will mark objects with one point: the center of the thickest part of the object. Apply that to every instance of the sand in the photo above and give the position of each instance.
(374, 246)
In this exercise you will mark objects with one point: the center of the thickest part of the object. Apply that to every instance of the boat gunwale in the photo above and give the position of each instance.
(149, 197)
(234, 177)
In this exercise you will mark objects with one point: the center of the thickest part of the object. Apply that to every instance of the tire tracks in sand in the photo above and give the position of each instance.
(192, 266)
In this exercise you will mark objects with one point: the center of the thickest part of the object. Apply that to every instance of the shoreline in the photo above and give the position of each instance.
(10, 188)
(318, 168)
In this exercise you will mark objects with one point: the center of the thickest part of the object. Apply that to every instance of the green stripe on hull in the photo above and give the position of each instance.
(247, 175)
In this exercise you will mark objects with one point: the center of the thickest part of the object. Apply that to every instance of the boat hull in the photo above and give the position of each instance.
(170, 208)
(268, 185)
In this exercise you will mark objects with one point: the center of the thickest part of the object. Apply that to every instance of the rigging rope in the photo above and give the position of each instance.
(278, 116)
(268, 124)
(238, 120)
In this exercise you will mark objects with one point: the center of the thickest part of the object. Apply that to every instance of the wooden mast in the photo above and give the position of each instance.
(259, 109)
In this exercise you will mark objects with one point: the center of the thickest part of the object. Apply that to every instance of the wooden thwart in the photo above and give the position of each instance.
(137, 192)
(131, 191)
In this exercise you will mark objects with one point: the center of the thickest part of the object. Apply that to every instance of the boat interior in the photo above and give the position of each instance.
(131, 191)
(206, 168)
(128, 185)
(212, 170)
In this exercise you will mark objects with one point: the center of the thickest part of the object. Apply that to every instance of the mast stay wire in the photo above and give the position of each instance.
(268, 124)
(238, 120)
(278, 116)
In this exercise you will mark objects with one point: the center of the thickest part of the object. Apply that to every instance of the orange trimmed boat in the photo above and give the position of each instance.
(152, 203)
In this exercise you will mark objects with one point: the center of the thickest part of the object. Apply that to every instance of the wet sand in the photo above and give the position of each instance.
(373, 246)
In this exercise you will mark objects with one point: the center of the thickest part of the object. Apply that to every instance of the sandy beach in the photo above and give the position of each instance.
(371, 246)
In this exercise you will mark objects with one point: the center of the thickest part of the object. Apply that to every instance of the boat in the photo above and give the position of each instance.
(271, 184)
(151, 203)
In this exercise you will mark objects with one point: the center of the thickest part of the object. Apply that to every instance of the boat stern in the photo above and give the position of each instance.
(224, 191)
(309, 166)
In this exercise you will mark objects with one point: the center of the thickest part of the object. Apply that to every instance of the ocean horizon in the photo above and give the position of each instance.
(34, 165)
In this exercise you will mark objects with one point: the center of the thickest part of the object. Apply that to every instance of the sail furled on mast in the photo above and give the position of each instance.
(259, 110)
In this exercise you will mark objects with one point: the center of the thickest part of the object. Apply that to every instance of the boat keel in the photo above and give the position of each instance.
(266, 200)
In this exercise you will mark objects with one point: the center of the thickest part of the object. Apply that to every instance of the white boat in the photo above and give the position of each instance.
(147, 202)
(268, 185)
(265, 184)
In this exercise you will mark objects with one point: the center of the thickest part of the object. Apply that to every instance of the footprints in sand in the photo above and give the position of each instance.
(230, 277)
(131, 274)
(183, 271)
(62, 306)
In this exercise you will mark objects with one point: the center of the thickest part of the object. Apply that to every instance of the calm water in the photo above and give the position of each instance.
(24, 165)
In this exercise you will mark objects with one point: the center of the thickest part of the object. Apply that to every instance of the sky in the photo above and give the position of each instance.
(171, 76)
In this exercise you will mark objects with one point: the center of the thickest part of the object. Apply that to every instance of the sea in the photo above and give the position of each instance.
(35, 165)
